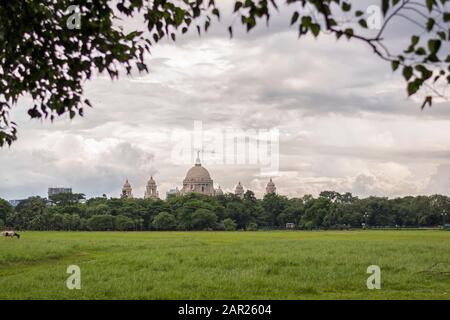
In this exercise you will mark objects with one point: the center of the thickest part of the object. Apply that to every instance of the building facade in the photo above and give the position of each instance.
(197, 180)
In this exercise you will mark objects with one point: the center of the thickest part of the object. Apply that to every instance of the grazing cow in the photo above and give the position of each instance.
(10, 234)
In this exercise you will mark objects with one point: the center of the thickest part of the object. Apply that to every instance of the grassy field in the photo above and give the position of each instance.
(226, 265)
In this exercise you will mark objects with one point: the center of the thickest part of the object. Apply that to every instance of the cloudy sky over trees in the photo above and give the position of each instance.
(344, 119)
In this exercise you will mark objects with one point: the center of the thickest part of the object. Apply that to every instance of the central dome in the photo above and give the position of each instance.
(197, 173)
(198, 180)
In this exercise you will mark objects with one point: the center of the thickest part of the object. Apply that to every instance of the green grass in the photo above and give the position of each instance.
(226, 265)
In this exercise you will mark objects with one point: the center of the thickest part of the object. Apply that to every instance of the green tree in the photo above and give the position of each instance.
(252, 226)
(6, 209)
(236, 211)
(187, 205)
(379, 211)
(203, 219)
(123, 223)
(66, 198)
(315, 212)
(103, 222)
(229, 224)
(164, 221)
(25, 211)
(274, 205)
(54, 48)
(96, 210)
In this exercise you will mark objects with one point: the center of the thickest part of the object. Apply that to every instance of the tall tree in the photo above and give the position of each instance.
(5, 209)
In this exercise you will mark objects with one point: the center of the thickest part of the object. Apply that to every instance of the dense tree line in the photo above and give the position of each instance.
(330, 210)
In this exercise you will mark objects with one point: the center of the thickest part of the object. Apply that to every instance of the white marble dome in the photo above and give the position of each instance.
(197, 174)
(198, 180)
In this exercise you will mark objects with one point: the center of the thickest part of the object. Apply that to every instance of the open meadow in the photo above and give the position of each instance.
(227, 265)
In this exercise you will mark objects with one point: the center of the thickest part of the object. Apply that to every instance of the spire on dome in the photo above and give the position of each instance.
(197, 161)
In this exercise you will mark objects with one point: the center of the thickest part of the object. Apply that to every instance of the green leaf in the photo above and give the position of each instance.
(294, 17)
(251, 23)
(413, 87)
(216, 12)
(430, 24)
(395, 64)
(306, 21)
(426, 74)
(428, 100)
(237, 6)
(407, 72)
(348, 33)
(385, 6)
(434, 45)
(315, 29)
(346, 6)
(446, 16)
(363, 23)
(421, 51)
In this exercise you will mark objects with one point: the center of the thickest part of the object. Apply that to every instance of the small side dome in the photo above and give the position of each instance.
(219, 192)
(127, 184)
(239, 191)
(271, 189)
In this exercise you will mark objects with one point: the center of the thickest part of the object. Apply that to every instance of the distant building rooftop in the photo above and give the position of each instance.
(53, 191)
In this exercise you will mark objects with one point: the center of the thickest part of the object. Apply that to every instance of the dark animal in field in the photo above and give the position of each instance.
(11, 234)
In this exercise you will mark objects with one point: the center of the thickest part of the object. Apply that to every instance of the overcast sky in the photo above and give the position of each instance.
(344, 120)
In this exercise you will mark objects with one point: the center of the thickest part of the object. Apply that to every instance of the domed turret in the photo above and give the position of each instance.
(218, 192)
(239, 191)
(127, 191)
(271, 189)
(151, 191)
